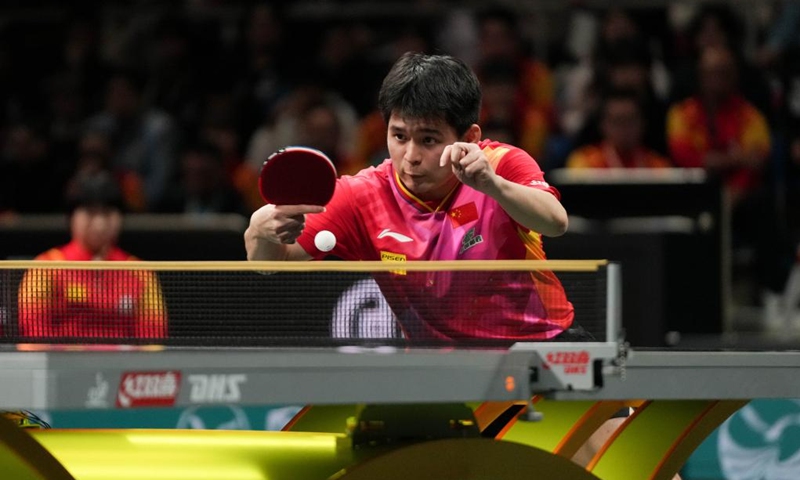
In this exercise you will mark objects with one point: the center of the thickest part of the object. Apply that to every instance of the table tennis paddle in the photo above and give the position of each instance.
(297, 176)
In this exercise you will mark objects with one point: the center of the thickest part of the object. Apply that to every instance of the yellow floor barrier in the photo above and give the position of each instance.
(197, 454)
(466, 459)
(23, 458)
(653, 444)
(656, 440)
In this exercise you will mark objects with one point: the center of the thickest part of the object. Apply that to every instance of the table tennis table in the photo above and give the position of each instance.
(388, 411)
(691, 391)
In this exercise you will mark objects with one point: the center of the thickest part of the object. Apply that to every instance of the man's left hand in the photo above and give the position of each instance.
(470, 166)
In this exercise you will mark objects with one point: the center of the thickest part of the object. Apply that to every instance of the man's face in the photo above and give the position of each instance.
(415, 147)
(622, 124)
(96, 227)
(718, 76)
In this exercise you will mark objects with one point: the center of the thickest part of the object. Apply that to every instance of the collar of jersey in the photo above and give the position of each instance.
(421, 204)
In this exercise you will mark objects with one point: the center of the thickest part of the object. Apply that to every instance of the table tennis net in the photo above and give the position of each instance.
(340, 303)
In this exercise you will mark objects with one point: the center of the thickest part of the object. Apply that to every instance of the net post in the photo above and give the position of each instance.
(613, 302)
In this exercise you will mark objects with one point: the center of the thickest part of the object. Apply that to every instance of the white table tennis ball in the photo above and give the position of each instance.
(325, 240)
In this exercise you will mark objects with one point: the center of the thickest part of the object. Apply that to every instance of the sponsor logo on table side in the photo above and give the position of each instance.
(216, 388)
(574, 363)
(148, 389)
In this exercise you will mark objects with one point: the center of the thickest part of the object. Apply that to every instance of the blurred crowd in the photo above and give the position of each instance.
(182, 103)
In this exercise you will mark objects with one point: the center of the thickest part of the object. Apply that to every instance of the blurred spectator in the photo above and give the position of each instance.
(717, 129)
(626, 65)
(618, 55)
(176, 76)
(287, 128)
(525, 124)
(782, 35)
(622, 125)
(57, 303)
(257, 65)
(718, 26)
(350, 65)
(31, 179)
(318, 127)
(204, 187)
(143, 139)
(94, 156)
(370, 140)
(501, 43)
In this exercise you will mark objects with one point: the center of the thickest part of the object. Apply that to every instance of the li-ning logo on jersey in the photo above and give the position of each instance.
(470, 240)
(539, 183)
(397, 236)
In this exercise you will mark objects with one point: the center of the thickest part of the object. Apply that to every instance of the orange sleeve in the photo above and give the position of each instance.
(687, 145)
(152, 312)
(755, 134)
(35, 304)
(36, 299)
(580, 158)
(655, 160)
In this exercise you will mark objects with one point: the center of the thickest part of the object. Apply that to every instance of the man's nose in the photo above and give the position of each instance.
(413, 153)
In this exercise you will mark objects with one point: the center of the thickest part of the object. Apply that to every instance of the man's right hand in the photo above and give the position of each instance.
(273, 232)
(281, 223)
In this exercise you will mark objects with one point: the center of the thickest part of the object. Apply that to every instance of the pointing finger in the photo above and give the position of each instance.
(445, 156)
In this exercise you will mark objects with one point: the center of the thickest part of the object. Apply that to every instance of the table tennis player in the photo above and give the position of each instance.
(444, 194)
(91, 303)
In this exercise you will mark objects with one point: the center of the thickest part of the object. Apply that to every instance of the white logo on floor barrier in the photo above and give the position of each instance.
(222, 417)
(97, 397)
(216, 388)
(768, 450)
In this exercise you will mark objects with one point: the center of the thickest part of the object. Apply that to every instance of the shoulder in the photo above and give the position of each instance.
(749, 110)
(687, 107)
(497, 152)
(119, 255)
(589, 156)
(54, 254)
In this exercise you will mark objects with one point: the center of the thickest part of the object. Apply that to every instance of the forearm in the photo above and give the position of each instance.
(259, 248)
(535, 209)
(273, 231)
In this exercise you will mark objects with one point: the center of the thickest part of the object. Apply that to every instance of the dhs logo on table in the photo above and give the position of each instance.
(218, 388)
(148, 389)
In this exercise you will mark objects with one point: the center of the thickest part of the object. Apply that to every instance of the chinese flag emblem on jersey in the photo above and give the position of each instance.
(463, 214)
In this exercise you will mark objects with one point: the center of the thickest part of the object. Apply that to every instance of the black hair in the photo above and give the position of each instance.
(95, 190)
(432, 87)
(729, 21)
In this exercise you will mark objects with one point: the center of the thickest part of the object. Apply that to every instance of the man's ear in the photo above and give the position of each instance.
(473, 134)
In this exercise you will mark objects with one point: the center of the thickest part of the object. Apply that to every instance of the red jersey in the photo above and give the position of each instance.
(374, 217)
(603, 155)
(90, 303)
(693, 131)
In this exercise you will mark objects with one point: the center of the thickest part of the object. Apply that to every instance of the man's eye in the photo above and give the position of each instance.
(430, 141)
